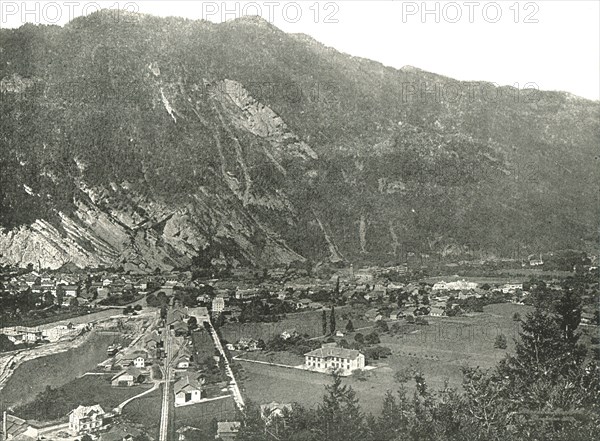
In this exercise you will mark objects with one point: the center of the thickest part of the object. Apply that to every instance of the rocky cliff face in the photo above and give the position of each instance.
(161, 142)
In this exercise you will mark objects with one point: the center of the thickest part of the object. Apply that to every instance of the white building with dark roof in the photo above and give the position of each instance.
(331, 358)
(86, 419)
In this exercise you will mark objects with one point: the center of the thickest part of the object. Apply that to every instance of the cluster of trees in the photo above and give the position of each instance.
(296, 344)
(132, 309)
(257, 311)
(157, 300)
(5, 344)
(544, 391)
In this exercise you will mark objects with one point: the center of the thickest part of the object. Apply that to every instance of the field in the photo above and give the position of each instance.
(203, 413)
(438, 351)
(94, 389)
(55, 370)
(303, 322)
(145, 411)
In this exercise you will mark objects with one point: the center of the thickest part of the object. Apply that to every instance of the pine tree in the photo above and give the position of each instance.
(350, 326)
(324, 322)
(568, 310)
(500, 342)
(340, 417)
(332, 321)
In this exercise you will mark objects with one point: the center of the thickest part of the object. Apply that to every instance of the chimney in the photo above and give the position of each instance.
(4, 425)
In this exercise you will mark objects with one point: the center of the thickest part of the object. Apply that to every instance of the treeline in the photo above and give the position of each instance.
(545, 391)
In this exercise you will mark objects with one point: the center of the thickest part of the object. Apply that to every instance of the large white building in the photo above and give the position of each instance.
(458, 285)
(86, 419)
(218, 304)
(331, 358)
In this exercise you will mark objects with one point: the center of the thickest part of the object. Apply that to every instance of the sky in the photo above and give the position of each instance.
(550, 44)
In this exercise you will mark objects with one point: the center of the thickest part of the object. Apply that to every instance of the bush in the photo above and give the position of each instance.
(360, 374)
(382, 326)
(372, 338)
(359, 338)
(500, 342)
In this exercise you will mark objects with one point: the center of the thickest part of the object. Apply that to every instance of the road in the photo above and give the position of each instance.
(233, 386)
(164, 415)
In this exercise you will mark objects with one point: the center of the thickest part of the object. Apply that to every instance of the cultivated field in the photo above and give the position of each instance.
(438, 351)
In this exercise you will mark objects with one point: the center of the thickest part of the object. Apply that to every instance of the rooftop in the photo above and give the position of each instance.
(334, 352)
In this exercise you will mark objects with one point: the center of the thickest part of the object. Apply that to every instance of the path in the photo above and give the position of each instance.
(164, 413)
(233, 386)
(129, 400)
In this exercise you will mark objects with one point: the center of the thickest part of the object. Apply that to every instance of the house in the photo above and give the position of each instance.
(139, 362)
(22, 334)
(245, 294)
(395, 315)
(188, 390)
(70, 290)
(183, 362)
(247, 344)
(120, 432)
(364, 276)
(227, 430)
(339, 334)
(86, 419)
(218, 305)
(332, 358)
(457, 285)
(436, 312)
(186, 432)
(176, 315)
(288, 333)
(268, 412)
(303, 303)
(180, 329)
(153, 340)
(17, 428)
(128, 378)
(511, 288)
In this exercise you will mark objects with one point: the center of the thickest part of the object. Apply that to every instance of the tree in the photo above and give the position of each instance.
(324, 322)
(339, 416)
(192, 323)
(86, 437)
(332, 321)
(568, 311)
(372, 338)
(349, 326)
(163, 312)
(516, 317)
(500, 342)
(382, 326)
(359, 338)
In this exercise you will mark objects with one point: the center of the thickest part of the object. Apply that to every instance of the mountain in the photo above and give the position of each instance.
(163, 142)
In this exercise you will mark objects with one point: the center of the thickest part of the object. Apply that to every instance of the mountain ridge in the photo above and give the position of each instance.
(313, 153)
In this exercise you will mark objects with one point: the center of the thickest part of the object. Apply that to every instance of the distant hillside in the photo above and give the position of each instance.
(156, 142)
